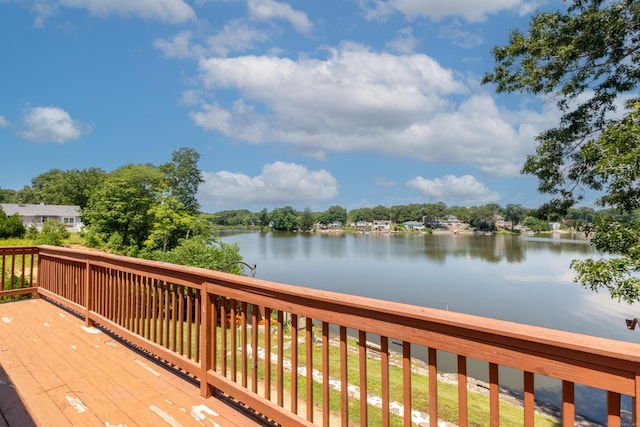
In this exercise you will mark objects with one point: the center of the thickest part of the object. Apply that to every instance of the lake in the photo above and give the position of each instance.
(508, 277)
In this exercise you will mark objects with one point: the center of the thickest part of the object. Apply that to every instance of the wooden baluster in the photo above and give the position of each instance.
(568, 404)
(344, 380)
(494, 395)
(294, 363)
(254, 348)
(325, 374)
(463, 411)
(243, 342)
(309, 366)
(613, 408)
(406, 382)
(280, 367)
(384, 366)
(362, 364)
(223, 336)
(234, 337)
(529, 399)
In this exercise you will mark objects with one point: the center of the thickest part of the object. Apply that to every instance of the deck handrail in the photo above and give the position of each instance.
(207, 324)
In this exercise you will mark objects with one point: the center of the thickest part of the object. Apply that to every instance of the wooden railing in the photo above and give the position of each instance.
(300, 356)
(17, 272)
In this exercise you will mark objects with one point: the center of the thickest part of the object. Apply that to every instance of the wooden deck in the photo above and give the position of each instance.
(56, 372)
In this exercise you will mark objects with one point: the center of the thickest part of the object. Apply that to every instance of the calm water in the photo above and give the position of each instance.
(519, 279)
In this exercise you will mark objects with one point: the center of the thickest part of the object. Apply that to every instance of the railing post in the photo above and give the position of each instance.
(206, 332)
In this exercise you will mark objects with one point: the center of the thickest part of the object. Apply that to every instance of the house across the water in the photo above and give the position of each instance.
(36, 215)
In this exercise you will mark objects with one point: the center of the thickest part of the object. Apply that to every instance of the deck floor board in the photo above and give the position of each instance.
(58, 372)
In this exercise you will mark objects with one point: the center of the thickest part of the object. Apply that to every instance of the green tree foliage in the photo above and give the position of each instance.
(380, 212)
(515, 213)
(536, 224)
(284, 219)
(204, 252)
(27, 195)
(333, 214)
(361, 214)
(483, 218)
(184, 178)
(264, 217)
(121, 207)
(7, 196)
(71, 187)
(170, 218)
(234, 218)
(307, 220)
(53, 233)
(587, 58)
(11, 226)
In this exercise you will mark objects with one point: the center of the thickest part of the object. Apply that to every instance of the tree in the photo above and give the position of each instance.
(204, 252)
(515, 213)
(380, 212)
(306, 220)
(433, 211)
(53, 233)
(120, 208)
(27, 195)
(284, 219)
(11, 226)
(587, 58)
(170, 221)
(71, 187)
(184, 178)
(6, 195)
(361, 214)
(536, 224)
(483, 218)
(333, 214)
(263, 217)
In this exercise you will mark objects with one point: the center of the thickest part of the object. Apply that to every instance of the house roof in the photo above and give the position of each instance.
(40, 210)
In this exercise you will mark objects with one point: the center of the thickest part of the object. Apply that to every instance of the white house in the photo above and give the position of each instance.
(36, 215)
(413, 225)
(382, 224)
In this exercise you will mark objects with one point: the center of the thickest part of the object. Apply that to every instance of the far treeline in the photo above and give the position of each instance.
(138, 210)
(482, 218)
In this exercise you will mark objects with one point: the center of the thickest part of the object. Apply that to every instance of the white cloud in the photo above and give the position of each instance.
(265, 10)
(279, 184)
(51, 124)
(405, 42)
(471, 11)
(42, 12)
(4, 122)
(398, 105)
(464, 190)
(235, 36)
(171, 11)
(179, 46)
(459, 36)
(384, 182)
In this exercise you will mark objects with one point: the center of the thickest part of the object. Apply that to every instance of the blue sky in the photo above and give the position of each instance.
(305, 103)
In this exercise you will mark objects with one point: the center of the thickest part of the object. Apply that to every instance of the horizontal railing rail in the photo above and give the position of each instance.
(301, 356)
